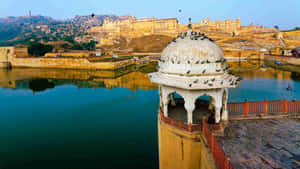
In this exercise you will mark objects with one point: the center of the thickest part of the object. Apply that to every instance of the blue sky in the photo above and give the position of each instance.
(266, 12)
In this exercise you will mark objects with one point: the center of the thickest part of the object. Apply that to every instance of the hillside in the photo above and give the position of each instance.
(25, 29)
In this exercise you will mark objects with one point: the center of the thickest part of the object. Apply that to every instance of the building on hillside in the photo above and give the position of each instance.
(227, 26)
(134, 28)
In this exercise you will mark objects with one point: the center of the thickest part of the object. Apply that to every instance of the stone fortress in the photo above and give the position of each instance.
(133, 27)
(227, 26)
(110, 31)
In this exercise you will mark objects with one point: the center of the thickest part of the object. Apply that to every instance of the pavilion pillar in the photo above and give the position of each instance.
(189, 105)
(218, 107)
(224, 108)
(165, 103)
(217, 114)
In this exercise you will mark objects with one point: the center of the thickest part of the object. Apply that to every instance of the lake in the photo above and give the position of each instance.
(75, 119)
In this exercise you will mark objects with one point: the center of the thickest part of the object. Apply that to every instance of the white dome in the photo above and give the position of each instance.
(193, 62)
(192, 54)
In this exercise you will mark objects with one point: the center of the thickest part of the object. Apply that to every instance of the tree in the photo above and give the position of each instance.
(276, 27)
(38, 49)
(69, 39)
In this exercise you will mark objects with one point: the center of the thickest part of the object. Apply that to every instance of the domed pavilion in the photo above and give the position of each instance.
(193, 66)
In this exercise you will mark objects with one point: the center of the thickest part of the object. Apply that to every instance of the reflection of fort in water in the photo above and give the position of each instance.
(132, 78)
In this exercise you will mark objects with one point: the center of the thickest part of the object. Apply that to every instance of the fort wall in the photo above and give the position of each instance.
(6, 54)
(69, 63)
(134, 28)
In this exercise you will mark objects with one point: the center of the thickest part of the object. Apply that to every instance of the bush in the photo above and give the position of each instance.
(38, 49)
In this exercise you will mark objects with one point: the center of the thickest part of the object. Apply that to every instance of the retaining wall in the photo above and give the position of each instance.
(69, 63)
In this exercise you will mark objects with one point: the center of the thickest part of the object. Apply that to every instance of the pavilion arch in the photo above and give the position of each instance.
(190, 98)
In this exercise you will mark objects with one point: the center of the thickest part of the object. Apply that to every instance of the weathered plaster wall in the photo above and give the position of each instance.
(180, 150)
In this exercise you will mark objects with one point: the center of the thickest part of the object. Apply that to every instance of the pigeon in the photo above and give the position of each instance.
(188, 72)
(204, 71)
(196, 81)
(178, 62)
(210, 84)
(221, 82)
(205, 82)
(213, 79)
(197, 62)
(188, 62)
(208, 61)
(190, 85)
(230, 79)
(203, 62)
(218, 70)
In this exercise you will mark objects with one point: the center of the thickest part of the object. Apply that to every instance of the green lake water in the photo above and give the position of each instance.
(100, 122)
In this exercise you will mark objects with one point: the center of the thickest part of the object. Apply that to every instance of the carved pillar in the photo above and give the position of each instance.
(165, 100)
(218, 106)
(217, 114)
(189, 105)
(224, 107)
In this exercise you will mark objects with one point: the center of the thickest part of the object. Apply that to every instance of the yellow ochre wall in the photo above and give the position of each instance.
(69, 63)
(179, 150)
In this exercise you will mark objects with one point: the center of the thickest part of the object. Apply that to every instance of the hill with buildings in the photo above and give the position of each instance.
(37, 28)
(130, 34)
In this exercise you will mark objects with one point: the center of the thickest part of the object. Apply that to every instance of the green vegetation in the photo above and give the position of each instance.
(276, 27)
(38, 49)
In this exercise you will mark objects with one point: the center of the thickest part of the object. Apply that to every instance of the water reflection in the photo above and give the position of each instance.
(132, 78)
(110, 122)
(38, 85)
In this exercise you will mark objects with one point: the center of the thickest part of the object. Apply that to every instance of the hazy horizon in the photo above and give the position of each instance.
(267, 13)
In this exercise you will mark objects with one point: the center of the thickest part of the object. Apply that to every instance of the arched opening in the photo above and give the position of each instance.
(176, 108)
(202, 107)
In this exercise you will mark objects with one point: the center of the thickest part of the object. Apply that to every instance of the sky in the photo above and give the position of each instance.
(283, 13)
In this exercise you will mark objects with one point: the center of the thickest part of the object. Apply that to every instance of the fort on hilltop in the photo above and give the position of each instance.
(110, 31)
